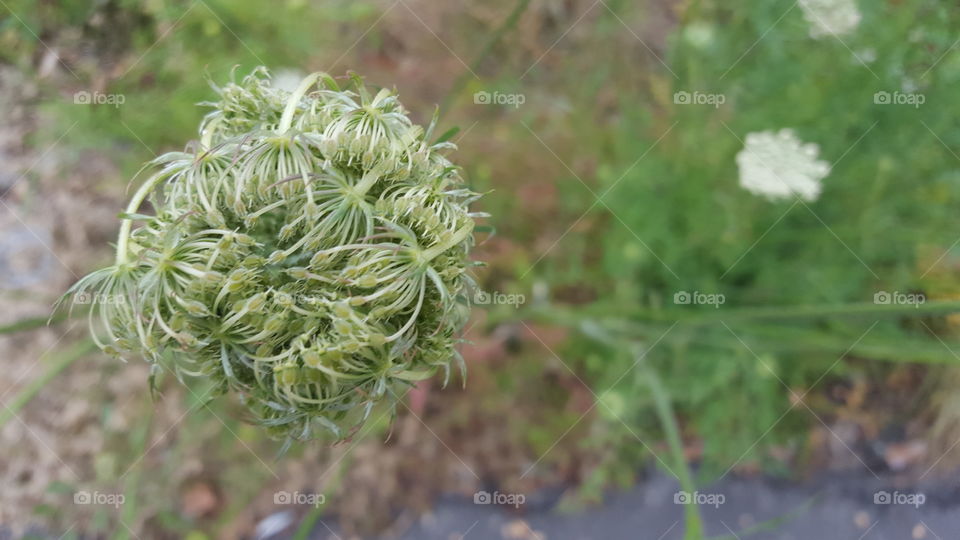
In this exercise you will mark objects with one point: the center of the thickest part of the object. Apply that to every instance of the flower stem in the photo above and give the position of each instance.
(459, 236)
(367, 181)
(287, 119)
(668, 421)
(559, 314)
(124, 237)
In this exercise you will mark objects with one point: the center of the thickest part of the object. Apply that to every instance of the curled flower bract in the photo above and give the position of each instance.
(308, 253)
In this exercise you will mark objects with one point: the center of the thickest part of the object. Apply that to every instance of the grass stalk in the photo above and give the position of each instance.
(60, 361)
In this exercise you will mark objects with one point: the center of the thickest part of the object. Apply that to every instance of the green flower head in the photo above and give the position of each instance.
(309, 254)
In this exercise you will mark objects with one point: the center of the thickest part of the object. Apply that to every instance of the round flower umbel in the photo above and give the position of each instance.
(309, 253)
(780, 166)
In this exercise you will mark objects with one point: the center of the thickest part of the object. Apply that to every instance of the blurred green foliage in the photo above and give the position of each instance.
(887, 211)
(162, 55)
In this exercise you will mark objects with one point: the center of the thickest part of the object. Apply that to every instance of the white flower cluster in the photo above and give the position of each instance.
(779, 165)
(830, 17)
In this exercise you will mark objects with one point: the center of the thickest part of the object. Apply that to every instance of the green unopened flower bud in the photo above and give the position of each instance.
(303, 230)
(357, 146)
(342, 310)
(287, 231)
(319, 259)
(235, 286)
(215, 218)
(311, 358)
(298, 272)
(178, 322)
(196, 309)
(188, 340)
(328, 147)
(275, 324)
(288, 374)
(313, 375)
(256, 302)
(342, 327)
(367, 282)
(369, 159)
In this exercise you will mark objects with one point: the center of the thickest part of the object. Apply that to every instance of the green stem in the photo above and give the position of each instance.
(287, 119)
(308, 523)
(207, 136)
(694, 523)
(124, 237)
(783, 340)
(367, 181)
(508, 23)
(816, 311)
(565, 315)
(459, 236)
(127, 224)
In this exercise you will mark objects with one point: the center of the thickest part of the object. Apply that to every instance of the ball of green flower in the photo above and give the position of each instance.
(308, 253)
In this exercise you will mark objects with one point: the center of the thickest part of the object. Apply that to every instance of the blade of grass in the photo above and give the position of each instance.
(770, 524)
(508, 23)
(821, 311)
(784, 339)
(693, 523)
(36, 322)
(306, 526)
(58, 362)
(308, 523)
(558, 314)
(129, 513)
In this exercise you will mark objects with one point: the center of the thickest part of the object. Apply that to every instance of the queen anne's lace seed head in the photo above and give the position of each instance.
(830, 17)
(308, 253)
(780, 166)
